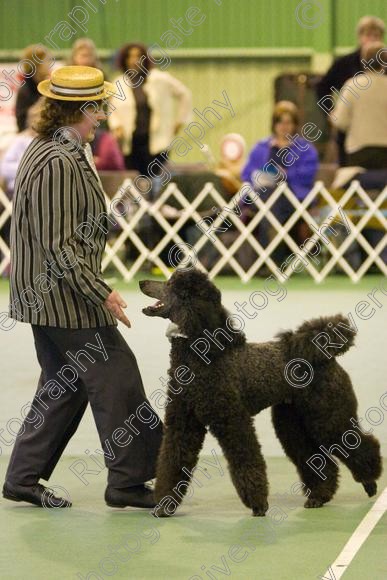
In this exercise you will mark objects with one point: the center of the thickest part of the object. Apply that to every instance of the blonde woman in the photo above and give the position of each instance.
(84, 53)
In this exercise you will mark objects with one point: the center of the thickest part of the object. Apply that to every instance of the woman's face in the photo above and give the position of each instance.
(89, 122)
(84, 57)
(284, 126)
(133, 59)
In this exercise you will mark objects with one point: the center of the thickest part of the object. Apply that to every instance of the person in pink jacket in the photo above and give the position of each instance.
(106, 152)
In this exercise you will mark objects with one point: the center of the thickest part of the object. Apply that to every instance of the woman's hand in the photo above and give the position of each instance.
(115, 303)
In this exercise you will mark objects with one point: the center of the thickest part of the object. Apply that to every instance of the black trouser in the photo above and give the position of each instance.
(342, 156)
(281, 209)
(114, 388)
(140, 157)
(369, 157)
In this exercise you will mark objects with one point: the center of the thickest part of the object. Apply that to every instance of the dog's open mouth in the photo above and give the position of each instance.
(155, 290)
(155, 306)
(157, 309)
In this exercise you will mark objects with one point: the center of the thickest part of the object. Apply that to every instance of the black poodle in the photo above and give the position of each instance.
(234, 381)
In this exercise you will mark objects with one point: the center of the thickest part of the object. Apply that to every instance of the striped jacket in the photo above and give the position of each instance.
(58, 235)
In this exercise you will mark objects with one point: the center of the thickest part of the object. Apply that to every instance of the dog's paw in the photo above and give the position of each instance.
(313, 503)
(159, 512)
(370, 488)
(260, 511)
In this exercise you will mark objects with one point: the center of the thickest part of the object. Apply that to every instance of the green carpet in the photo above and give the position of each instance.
(296, 282)
(292, 544)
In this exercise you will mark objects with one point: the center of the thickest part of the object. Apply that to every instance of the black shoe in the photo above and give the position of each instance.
(137, 496)
(36, 494)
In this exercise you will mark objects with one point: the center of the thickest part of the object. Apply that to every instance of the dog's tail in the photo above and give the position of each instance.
(320, 339)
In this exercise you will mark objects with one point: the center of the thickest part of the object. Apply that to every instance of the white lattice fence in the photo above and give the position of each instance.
(5, 214)
(317, 208)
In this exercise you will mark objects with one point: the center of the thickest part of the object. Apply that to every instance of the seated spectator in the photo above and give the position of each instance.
(282, 156)
(363, 117)
(373, 181)
(28, 92)
(106, 152)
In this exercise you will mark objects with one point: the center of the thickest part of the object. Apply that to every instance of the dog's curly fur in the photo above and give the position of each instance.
(241, 380)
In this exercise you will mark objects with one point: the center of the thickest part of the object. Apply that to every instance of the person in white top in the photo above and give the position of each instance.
(361, 112)
(150, 108)
(12, 157)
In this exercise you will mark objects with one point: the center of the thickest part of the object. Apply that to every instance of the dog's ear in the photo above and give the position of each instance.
(201, 299)
(194, 284)
(199, 315)
(190, 321)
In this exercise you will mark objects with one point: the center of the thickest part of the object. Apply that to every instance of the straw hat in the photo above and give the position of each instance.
(76, 83)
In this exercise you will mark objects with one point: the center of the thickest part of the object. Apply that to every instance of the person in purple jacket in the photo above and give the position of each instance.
(282, 156)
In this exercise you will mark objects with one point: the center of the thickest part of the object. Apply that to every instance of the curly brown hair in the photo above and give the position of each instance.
(56, 115)
(124, 53)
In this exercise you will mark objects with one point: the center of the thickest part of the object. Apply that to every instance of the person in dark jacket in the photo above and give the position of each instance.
(58, 237)
(370, 29)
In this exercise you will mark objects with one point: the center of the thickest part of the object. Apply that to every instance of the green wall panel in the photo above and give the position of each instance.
(249, 88)
(266, 24)
(228, 23)
(348, 12)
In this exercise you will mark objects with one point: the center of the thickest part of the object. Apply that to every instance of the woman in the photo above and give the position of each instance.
(84, 53)
(52, 262)
(11, 161)
(156, 105)
(12, 157)
(300, 167)
(106, 152)
(282, 156)
(28, 93)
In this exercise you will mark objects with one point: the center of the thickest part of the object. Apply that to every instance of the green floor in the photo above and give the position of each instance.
(41, 544)
(71, 543)
(296, 282)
